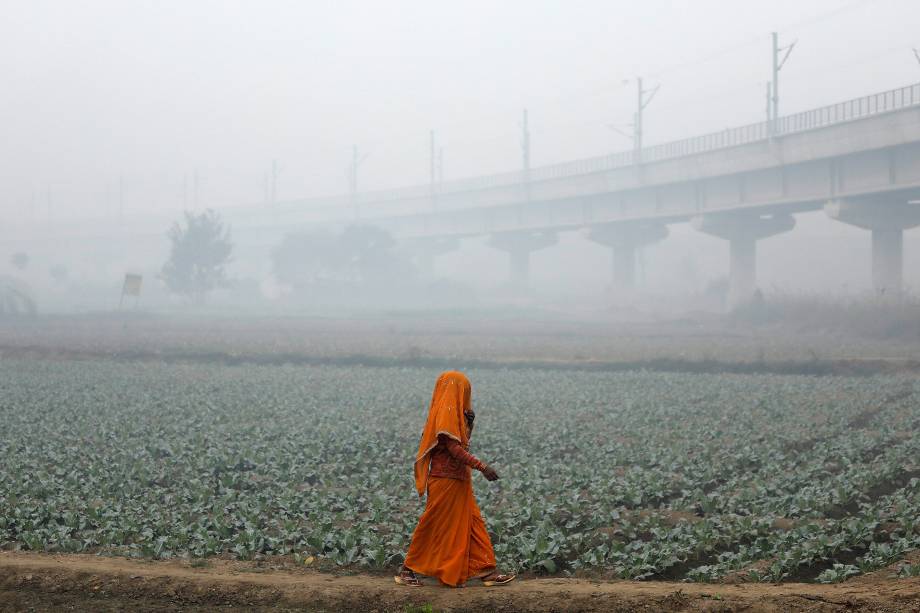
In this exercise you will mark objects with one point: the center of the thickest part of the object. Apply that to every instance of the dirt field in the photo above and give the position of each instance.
(40, 582)
(423, 337)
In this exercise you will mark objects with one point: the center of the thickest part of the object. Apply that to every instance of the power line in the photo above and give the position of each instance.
(707, 58)
(822, 17)
(723, 51)
(863, 59)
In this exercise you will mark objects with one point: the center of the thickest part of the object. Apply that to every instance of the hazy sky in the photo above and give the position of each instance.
(152, 91)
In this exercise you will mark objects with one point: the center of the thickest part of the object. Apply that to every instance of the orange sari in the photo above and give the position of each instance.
(450, 541)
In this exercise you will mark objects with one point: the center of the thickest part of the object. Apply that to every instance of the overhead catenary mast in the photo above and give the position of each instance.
(525, 146)
(769, 106)
(525, 154)
(352, 174)
(195, 189)
(432, 170)
(777, 66)
(644, 97)
(440, 165)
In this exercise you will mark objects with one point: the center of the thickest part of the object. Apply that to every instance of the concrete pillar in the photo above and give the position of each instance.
(519, 267)
(623, 266)
(742, 269)
(742, 230)
(519, 246)
(887, 221)
(888, 260)
(426, 250)
(624, 239)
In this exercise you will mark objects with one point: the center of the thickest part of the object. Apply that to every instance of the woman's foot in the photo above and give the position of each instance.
(497, 578)
(407, 577)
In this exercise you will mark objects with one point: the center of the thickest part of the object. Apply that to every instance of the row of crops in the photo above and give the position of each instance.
(635, 475)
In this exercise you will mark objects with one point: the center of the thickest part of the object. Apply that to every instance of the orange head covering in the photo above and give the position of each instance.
(451, 398)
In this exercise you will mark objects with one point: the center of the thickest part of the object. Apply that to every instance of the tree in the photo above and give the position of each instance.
(361, 254)
(15, 299)
(20, 260)
(200, 251)
(305, 258)
(371, 255)
(58, 273)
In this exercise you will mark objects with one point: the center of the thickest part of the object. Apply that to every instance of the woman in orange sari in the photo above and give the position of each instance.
(450, 541)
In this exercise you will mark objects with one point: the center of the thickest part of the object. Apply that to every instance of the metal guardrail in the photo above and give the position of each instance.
(842, 112)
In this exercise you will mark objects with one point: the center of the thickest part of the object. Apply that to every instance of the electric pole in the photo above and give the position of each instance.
(777, 66)
(525, 146)
(917, 54)
(121, 198)
(644, 97)
(352, 174)
(431, 158)
(48, 200)
(185, 192)
(525, 154)
(274, 196)
(769, 107)
(195, 189)
(440, 165)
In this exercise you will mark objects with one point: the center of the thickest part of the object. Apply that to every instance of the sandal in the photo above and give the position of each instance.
(407, 578)
(497, 579)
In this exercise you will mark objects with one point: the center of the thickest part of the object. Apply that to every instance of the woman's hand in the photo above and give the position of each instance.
(489, 473)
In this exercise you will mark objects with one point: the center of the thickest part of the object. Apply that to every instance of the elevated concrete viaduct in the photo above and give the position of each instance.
(858, 160)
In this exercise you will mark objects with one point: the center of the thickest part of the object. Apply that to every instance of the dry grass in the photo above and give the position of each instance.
(877, 317)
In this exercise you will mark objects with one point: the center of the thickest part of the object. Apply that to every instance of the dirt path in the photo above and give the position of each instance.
(84, 582)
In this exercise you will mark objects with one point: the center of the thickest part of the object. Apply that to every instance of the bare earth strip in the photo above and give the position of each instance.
(47, 582)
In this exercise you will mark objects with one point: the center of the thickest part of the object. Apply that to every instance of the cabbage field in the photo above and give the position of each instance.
(633, 474)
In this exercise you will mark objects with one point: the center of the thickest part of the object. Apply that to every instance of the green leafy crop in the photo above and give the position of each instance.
(640, 475)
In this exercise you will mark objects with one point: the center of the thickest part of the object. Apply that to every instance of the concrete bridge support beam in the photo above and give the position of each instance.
(624, 239)
(887, 221)
(519, 246)
(742, 230)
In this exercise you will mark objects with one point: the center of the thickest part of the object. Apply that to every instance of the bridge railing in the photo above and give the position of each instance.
(857, 108)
